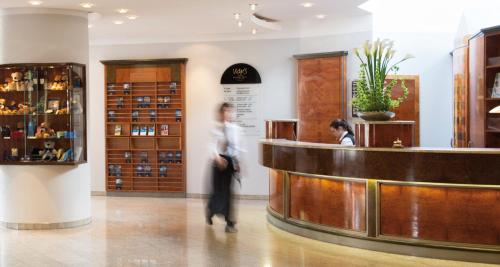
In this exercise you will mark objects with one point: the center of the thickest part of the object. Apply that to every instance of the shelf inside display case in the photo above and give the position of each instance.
(145, 122)
(42, 114)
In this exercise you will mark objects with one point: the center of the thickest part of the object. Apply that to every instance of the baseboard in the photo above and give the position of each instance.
(153, 194)
(242, 197)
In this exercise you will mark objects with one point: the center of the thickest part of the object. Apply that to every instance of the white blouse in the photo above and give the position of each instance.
(226, 138)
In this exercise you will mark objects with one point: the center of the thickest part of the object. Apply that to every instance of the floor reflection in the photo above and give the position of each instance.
(172, 232)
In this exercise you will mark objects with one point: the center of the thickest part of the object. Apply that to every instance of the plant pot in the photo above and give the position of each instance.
(376, 115)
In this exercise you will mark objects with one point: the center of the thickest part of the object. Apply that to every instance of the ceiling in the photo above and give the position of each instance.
(203, 20)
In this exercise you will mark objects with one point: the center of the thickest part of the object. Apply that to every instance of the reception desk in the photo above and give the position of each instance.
(442, 203)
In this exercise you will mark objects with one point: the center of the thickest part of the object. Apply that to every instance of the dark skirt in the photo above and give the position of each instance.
(220, 201)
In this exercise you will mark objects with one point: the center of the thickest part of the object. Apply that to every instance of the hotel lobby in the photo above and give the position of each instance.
(249, 133)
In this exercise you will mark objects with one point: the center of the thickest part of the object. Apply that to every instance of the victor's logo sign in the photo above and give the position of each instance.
(240, 73)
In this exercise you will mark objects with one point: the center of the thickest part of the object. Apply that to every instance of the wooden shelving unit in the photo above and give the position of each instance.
(484, 127)
(142, 98)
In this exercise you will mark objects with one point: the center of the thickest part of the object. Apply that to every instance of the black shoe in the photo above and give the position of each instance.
(209, 220)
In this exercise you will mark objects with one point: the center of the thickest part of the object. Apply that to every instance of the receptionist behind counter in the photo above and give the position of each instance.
(340, 129)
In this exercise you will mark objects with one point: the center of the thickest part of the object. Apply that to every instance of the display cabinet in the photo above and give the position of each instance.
(42, 114)
(145, 125)
(484, 89)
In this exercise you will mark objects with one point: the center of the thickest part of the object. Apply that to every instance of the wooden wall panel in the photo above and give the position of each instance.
(461, 97)
(384, 135)
(281, 130)
(143, 74)
(476, 92)
(461, 215)
(409, 110)
(276, 196)
(334, 203)
(321, 97)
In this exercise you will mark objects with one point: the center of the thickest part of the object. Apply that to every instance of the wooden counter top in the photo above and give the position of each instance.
(417, 164)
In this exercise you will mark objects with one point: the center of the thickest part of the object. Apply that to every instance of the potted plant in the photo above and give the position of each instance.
(373, 98)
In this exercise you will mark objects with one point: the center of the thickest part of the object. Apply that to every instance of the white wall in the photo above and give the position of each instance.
(207, 61)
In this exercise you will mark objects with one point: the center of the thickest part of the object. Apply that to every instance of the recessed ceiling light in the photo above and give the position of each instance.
(254, 31)
(118, 22)
(240, 24)
(90, 26)
(86, 5)
(132, 17)
(320, 16)
(237, 16)
(307, 4)
(122, 11)
(253, 7)
(35, 3)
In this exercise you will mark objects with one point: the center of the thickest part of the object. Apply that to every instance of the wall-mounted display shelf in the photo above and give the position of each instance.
(42, 114)
(145, 125)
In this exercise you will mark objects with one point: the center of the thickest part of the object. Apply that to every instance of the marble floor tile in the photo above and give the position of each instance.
(151, 232)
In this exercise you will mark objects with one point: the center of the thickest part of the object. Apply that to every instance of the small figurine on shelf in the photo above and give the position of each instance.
(62, 111)
(397, 143)
(31, 129)
(111, 115)
(163, 171)
(23, 109)
(28, 80)
(126, 89)
(148, 171)
(147, 102)
(173, 88)
(118, 184)
(12, 106)
(139, 170)
(140, 101)
(135, 115)
(19, 132)
(111, 170)
(49, 151)
(6, 132)
(170, 157)
(14, 154)
(152, 115)
(60, 83)
(162, 157)
(67, 156)
(119, 102)
(44, 131)
(18, 83)
(128, 157)
(111, 89)
(178, 157)
(178, 115)
(144, 157)
(60, 154)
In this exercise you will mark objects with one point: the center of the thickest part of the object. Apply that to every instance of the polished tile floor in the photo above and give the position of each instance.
(171, 232)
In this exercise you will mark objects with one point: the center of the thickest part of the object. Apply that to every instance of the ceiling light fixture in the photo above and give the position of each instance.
(122, 11)
(35, 3)
(254, 31)
(118, 22)
(237, 16)
(321, 16)
(240, 24)
(132, 17)
(86, 5)
(307, 4)
(253, 7)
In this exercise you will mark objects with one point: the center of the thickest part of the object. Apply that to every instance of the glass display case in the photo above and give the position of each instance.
(42, 114)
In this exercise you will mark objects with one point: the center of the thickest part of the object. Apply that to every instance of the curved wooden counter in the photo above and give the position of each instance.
(427, 198)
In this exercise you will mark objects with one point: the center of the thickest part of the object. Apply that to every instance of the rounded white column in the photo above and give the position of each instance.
(44, 197)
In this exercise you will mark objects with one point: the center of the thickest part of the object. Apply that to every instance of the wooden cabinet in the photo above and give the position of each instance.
(281, 129)
(321, 95)
(145, 125)
(484, 65)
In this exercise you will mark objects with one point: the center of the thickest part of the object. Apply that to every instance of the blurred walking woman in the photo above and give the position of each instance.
(340, 129)
(225, 154)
